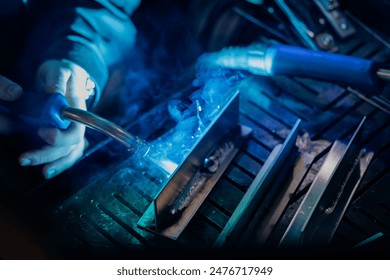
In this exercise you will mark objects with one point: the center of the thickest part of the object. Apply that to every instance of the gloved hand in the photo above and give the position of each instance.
(9, 91)
(63, 148)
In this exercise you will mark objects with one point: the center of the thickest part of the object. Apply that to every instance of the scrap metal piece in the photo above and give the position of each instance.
(257, 190)
(177, 203)
(323, 207)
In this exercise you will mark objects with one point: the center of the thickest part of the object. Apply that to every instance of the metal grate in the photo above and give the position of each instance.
(85, 216)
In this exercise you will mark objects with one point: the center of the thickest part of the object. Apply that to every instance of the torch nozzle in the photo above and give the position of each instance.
(383, 74)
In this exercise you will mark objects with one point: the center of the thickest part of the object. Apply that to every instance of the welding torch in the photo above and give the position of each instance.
(53, 110)
(269, 60)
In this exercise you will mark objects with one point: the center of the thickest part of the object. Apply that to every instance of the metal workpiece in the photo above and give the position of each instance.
(323, 207)
(178, 201)
(257, 191)
(265, 234)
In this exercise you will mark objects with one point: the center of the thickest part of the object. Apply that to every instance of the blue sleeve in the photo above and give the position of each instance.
(92, 33)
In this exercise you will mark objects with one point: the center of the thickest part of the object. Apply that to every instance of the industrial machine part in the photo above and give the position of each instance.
(323, 207)
(267, 60)
(178, 201)
(304, 32)
(336, 17)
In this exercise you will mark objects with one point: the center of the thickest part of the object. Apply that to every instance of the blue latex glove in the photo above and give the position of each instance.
(64, 147)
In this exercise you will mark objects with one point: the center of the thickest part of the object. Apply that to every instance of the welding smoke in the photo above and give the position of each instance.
(193, 114)
(158, 68)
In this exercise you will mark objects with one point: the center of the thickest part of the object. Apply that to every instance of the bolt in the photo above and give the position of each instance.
(344, 26)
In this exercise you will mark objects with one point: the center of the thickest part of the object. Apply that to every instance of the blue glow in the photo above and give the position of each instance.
(269, 58)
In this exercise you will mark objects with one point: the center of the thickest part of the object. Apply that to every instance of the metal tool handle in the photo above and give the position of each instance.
(42, 110)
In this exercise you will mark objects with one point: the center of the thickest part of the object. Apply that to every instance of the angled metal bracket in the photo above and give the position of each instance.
(177, 203)
(257, 190)
(323, 207)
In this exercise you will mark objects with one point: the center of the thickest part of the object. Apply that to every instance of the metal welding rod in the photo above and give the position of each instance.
(268, 60)
(53, 110)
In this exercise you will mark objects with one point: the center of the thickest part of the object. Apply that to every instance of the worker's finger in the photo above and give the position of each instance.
(44, 155)
(76, 91)
(9, 90)
(75, 133)
(57, 79)
(55, 137)
(56, 167)
(53, 77)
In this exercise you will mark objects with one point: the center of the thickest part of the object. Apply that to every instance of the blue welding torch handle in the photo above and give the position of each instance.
(268, 60)
(41, 110)
(350, 70)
